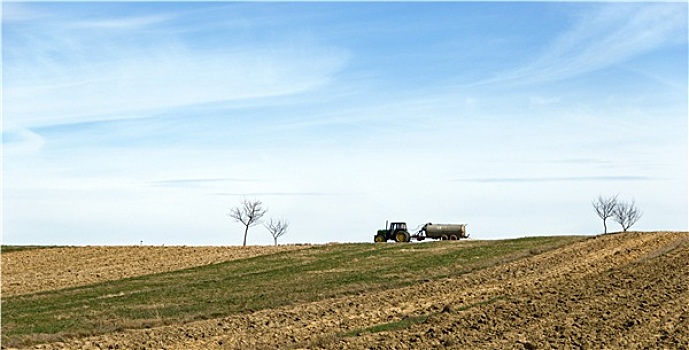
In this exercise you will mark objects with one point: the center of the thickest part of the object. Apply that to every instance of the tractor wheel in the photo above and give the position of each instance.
(407, 237)
(401, 236)
(443, 238)
(453, 237)
(380, 239)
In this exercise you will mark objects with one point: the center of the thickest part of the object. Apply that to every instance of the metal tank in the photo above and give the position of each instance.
(445, 231)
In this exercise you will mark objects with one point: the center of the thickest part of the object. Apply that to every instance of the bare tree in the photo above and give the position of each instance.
(627, 214)
(605, 208)
(249, 213)
(277, 228)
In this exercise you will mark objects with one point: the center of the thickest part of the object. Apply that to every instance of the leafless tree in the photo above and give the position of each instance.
(277, 228)
(627, 214)
(249, 213)
(605, 208)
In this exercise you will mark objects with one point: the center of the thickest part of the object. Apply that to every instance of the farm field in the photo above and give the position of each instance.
(40, 269)
(614, 291)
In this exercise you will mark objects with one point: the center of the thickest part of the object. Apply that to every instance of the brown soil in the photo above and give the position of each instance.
(617, 291)
(30, 271)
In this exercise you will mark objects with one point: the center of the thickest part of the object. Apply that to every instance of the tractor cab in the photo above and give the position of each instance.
(397, 226)
(397, 231)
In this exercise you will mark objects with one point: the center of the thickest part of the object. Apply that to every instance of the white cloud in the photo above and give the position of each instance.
(613, 34)
(149, 81)
(16, 12)
(21, 142)
(68, 70)
(126, 23)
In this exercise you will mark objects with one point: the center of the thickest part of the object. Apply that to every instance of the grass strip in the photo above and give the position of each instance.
(390, 326)
(18, 248)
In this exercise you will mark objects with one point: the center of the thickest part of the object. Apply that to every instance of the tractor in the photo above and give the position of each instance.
(397, 231)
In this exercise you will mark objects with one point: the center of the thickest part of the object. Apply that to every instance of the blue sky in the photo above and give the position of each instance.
(129, 122)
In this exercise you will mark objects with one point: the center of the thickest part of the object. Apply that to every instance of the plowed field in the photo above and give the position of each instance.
(622, 291)
(37, 270)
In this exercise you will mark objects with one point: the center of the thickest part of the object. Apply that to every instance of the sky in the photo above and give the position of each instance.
(130, 122)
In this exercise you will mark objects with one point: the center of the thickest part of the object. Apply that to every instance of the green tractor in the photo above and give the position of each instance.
(397, 231)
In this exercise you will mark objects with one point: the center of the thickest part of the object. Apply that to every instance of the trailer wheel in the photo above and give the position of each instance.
(443, 238)
(379, 239)
(402, 236)
(453, 237)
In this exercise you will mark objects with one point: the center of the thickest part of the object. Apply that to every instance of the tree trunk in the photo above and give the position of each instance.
(276, 240)
(605, 228)
(246, 230)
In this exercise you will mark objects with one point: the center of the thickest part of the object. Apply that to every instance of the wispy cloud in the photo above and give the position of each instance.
(142, 82)
(195, 182)
(555, 179)
(613, 34)
(580, 161)
(18, 12)
(118, 67)
(127, 23)
(21, 141)
(281, 194)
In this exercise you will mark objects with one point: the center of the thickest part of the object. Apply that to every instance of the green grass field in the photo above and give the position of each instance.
(248, 285)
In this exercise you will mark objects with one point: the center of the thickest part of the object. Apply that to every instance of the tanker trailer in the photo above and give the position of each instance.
(444, 232)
